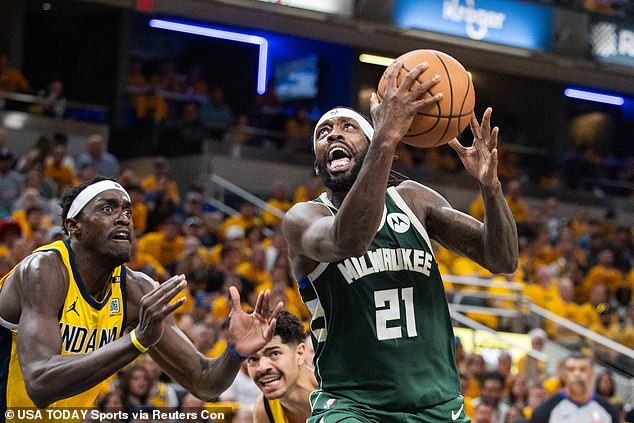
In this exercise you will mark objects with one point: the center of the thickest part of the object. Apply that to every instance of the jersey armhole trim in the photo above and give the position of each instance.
(13, 327)
(398, 200)
(267, 408)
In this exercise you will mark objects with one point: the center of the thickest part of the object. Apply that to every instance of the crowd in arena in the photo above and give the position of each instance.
(577, 267)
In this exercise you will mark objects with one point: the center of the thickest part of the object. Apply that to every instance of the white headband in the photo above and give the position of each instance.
(348, 113)
(90, 192)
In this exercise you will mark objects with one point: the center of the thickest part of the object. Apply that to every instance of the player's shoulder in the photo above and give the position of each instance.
(412, 191)
(259, 412)
(39, 266)
(138, 283)
(303, 212)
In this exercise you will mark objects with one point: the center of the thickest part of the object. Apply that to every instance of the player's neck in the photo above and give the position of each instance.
(94, 272)
(336, 198)
(297, 400)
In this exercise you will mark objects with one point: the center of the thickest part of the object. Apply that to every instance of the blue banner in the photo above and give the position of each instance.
(505, 22)
(612, 41)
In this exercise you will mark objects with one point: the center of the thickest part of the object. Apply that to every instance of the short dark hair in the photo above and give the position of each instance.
(494, 375)
(69, 196)
(578, 355)
(289, 328)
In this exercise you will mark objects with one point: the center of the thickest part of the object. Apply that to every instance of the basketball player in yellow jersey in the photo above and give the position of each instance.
(64, 308)
(282, 374)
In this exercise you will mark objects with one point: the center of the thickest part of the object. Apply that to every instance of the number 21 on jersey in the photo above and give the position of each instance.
(388, 307)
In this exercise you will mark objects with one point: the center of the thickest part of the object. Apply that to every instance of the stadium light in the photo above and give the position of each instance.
(206, 31)
(592, 96)
(376, 60)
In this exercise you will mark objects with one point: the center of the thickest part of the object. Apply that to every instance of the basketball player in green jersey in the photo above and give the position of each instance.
(64, 308)
(384, 344)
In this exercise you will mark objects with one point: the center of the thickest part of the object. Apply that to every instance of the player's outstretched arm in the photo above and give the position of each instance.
(49, 376)
(492, 244)
(313, 234)
(207, 378)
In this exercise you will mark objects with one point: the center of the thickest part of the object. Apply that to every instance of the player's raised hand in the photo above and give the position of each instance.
(394, 113)
(155, 309)
(249, 332)
(481, 159)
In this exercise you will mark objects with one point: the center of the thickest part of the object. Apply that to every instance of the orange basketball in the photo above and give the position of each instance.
(450, 116)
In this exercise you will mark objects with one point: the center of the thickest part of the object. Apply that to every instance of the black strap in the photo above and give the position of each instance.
(267, 408)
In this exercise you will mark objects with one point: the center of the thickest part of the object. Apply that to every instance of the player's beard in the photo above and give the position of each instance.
(341, 182)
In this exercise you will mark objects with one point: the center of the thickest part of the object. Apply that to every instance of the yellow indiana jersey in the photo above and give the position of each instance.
(85, 325)
(274, 411)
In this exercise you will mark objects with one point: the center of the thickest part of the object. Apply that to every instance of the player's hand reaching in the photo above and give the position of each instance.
(155, 309)
(249, 332)
(393, 115)
(481, 159)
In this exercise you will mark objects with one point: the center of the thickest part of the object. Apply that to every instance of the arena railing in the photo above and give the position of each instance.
(94, 110)
(614, 354)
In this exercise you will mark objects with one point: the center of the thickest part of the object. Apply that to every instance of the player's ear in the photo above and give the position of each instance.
(72, 226)
(300, 349)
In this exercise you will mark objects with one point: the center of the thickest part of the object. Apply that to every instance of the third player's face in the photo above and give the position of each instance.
(340, 149)
(276, 367)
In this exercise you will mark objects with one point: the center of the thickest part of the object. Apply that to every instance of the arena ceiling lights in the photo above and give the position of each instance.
(210, 32)
(592, 96)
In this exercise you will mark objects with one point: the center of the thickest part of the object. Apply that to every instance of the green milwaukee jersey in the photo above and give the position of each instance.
(380, 323)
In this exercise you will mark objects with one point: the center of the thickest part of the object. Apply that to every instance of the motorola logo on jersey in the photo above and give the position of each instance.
(399, 222)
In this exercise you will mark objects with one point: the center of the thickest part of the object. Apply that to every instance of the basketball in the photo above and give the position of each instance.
(450, 116)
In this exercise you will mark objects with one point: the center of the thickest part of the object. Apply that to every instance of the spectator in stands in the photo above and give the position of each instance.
(604, 272)
(165, 245)
(515, 415)
(62, 138)
(36, 154)
(193, 206)
(537, 394)
(518, 394)
(543, 292)
(299, 131)
(216, 113)
(310, 190)
(237, 135)
(11, 79)
(58, 171)
(160, 181)
(244, 219)
(491, 392)
(135, 387)
(194, 82)
(160, 394)
(485, 413)
(279, 200)
(606, 387)
(504, 365)
(52, 101)
(187, 133)
(192, 407)
(11, 183)
(576, 401)
(476, 366)
(105, 164)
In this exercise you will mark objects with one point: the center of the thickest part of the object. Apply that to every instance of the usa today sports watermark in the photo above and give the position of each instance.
(93, 415)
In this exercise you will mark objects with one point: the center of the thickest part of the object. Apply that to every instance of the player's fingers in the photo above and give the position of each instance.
(235, 298)
(169, 309)
(428, 101)
(266, 304)
(457, 147)
(277, 309)
(412, 78)
(475, 126)
(270, 330)
(169, 295)
(258, 303)
(486, 121)
(420, 89)
(391, 75)
(155, 295)
(493, 141)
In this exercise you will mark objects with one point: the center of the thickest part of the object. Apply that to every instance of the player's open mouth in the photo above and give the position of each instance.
(339, 159)
(121, 236)
(269, 381)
